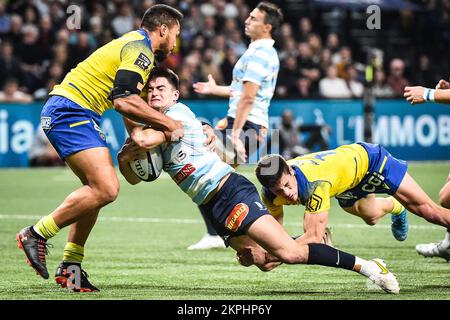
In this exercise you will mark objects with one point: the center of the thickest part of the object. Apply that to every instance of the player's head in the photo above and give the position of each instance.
(164, 22)
(274, 173)
(263, 21)
(163, 87)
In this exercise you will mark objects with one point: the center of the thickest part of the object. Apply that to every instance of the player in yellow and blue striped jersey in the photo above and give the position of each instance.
(353, 174)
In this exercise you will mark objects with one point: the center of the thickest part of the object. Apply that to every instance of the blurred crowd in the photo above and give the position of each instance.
(38, 49)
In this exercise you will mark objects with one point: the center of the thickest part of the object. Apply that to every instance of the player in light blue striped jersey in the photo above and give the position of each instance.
(228, 199)
(253, 85)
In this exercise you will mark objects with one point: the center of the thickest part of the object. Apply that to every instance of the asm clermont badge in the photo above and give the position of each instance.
(143, 61)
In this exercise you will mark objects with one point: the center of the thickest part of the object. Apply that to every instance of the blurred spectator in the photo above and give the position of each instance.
(287, 79)
(426, 74)
(333, 87)
(9, 65)
(31, 55)
(354, 85)
(305, 90)
(304, 28)
(315, 44)
(5, 19)
(209, 67)
(228, 64)
(15, 32)
(396, 80)
(308, 68)
(236, 43)
(124, 21)
(42, 153)
(342, 60)
(291, 145)
(332, 43)
(380, 88)
(11, 93)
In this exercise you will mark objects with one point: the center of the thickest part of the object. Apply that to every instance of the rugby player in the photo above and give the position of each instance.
(254, 78)
(112, 77)
(440, 94)
(353, 174)
(229, 199)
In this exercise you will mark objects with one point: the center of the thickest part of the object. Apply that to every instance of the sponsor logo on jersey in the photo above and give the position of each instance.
(236, 217)
(185, 172)
(143, 61)
(45, 122)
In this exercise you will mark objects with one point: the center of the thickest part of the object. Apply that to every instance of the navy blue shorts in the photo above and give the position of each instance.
(234, 207)
(251, 147)
(70, 127)
(384, 175)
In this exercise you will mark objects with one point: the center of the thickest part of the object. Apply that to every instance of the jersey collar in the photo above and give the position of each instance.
(302, 184)
(148, 42)
(262, 43)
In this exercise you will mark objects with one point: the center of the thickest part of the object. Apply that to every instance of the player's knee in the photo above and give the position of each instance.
(444, 199)
(108, 194)
(370, 221)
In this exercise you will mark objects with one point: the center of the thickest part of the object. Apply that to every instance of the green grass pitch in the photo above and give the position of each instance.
(137, 249)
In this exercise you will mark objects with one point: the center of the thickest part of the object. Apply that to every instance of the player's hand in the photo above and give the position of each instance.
(210, 137)
(205, 87)
(250, 255)
(442, 84)
(414, 95)
(175, 135)
(131, 151)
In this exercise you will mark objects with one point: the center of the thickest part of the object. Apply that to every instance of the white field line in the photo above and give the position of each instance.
(198, 221)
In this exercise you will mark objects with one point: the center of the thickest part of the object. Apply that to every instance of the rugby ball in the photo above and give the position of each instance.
(150, 168)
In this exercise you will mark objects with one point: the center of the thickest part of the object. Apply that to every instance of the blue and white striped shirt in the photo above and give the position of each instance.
(260, 65)
(193, 167)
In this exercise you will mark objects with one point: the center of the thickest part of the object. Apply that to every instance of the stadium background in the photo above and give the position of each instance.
(37, 50)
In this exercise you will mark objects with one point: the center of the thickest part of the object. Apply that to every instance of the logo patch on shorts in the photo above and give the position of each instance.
(237, 215)
(46, 122)
(143, 61)
(100, 132)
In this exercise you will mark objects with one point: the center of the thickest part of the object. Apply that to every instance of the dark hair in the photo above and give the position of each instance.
(160, 72)
(274, 15)
(160, 14)
(270, 168)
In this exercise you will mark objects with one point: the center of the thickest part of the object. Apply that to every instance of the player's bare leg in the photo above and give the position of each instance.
(371, 209)
(95, 169)
(442, 248)
(411, 195)
(280, 247)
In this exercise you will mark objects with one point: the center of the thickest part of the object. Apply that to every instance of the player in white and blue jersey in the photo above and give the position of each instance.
(228, 199)
(252, 88)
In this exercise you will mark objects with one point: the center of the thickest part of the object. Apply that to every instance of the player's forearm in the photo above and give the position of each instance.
(221, 91)
(244, 108)
(442, 96)
(148, 138)
(134, 108)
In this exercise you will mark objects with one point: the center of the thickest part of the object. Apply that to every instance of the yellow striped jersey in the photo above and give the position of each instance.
(90, 82)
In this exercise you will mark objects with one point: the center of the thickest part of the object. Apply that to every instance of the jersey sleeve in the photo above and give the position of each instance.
(257, 67)
(138, 58)
(319, 199)
(268, 198)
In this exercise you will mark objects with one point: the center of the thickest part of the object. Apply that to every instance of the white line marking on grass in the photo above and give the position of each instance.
(198, 221)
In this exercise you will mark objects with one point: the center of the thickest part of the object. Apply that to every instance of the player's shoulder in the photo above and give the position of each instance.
(180, 111)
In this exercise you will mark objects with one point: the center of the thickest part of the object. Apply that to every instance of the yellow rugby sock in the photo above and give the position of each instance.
(398, 207)
(46, 227)
(73, 253)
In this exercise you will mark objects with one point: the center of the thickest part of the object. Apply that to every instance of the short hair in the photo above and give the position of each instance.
(274, 15)
(160, 14)
(161, 72)
(270, 168)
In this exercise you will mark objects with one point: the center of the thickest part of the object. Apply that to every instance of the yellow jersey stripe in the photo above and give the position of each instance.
(79, 123)
(383, 164)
